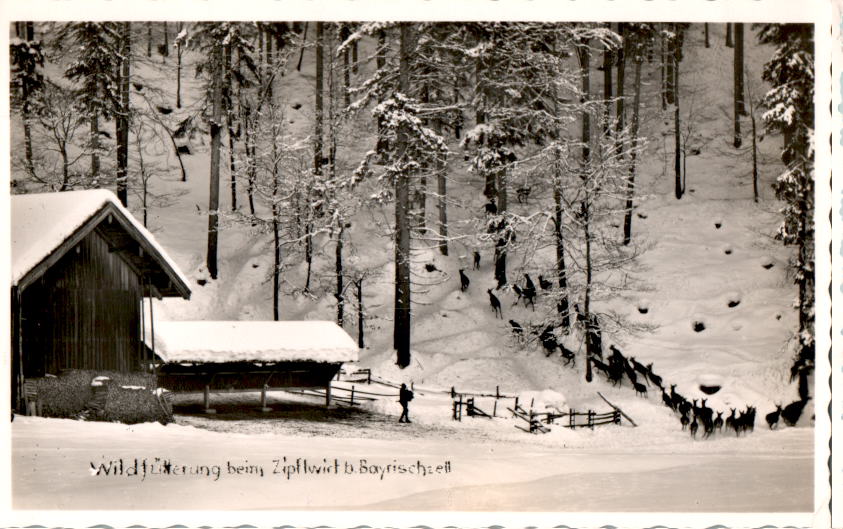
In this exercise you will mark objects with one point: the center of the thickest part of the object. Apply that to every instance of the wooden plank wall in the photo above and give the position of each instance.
(84, 313)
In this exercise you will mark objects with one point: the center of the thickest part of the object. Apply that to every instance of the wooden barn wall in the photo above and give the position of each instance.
(84, 313)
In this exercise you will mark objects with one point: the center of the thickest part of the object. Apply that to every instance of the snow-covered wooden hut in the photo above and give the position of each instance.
(81, 266)
(249, 355)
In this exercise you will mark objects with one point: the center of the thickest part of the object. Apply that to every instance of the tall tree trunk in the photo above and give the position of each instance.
(663, 71)
(276, 229)
(401, 335)
(585, 75)
(608, 56)
(214, 194)
(589, 341)
(562, 306)
(95, 142)
(619, 106)
(229, 114)
(166, 48)
(380, 58)
(360, 317)
(754, 158)
(738, 76)
(480, 95)
(178, 67)
(268, 59)
(354, 61)
(677, 149)
(584, 57)
(670, 75)
(339, 274)
(122, 121)
(707, 42)
(630, 184)
(442, 204)
(729, 42)
(149, 39)
(301, 51)
(318, 91)
(346, 67)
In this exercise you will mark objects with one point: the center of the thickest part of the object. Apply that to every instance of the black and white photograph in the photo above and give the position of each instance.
(366, 263)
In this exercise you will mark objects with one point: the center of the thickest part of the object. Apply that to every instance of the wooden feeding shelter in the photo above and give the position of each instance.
(249, 355)
(81, 266)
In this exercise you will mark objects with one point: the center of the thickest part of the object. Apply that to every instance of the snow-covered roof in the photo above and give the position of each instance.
(251, 341)
(42, 222)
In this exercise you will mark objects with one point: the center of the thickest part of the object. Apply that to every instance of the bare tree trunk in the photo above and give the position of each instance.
(707, 43)
(122, 121)
(317, 133)
(738, 75)
(381, 146)
(360, 317)
(178, 67)
(95, 142)
(214, 194)
(346, 67)
(229, 114)
(729, 42)
(608, 56)
(441, 189)
(166, 48)
(754, 156)
(301, 51)
(276, 229)
(354, 61)
(562, 306)
(619, 106)
(670, 75)
(677, 150)
(401, 335)
(339, 274)
(630, 186)
(149, 39)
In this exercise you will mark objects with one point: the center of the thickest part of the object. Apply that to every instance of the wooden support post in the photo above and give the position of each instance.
(454, 405)
(207, 399)
(516, 403)
(453, 393)
(497, 392)
(328, 395)
(591, 419)
(460, 409)
(495, 409)
(572, 419)
(352, 395)
(264, 408)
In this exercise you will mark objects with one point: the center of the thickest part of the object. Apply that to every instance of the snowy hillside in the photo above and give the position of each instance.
(709, 301)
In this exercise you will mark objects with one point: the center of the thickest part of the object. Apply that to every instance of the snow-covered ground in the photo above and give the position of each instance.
(702, 254)
(58, 464)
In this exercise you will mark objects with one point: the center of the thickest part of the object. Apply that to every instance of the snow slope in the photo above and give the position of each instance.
(701, 254)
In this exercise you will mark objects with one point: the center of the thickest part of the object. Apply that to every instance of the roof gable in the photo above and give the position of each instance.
(45, 226)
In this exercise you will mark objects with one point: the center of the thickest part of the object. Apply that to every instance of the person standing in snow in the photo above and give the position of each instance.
(404, 398)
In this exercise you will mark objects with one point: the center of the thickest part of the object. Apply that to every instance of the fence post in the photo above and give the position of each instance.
(591, 419)
(495, 409)
(369, 376)
(572, 420)
(264, 407)
(532, 425)
(497, 392)
(453, 393)
(516, 403)
(352, 395)
(460, 408)
(454, 407)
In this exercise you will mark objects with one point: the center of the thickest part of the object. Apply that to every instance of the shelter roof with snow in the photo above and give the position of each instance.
(45, 226)
(251, 341)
